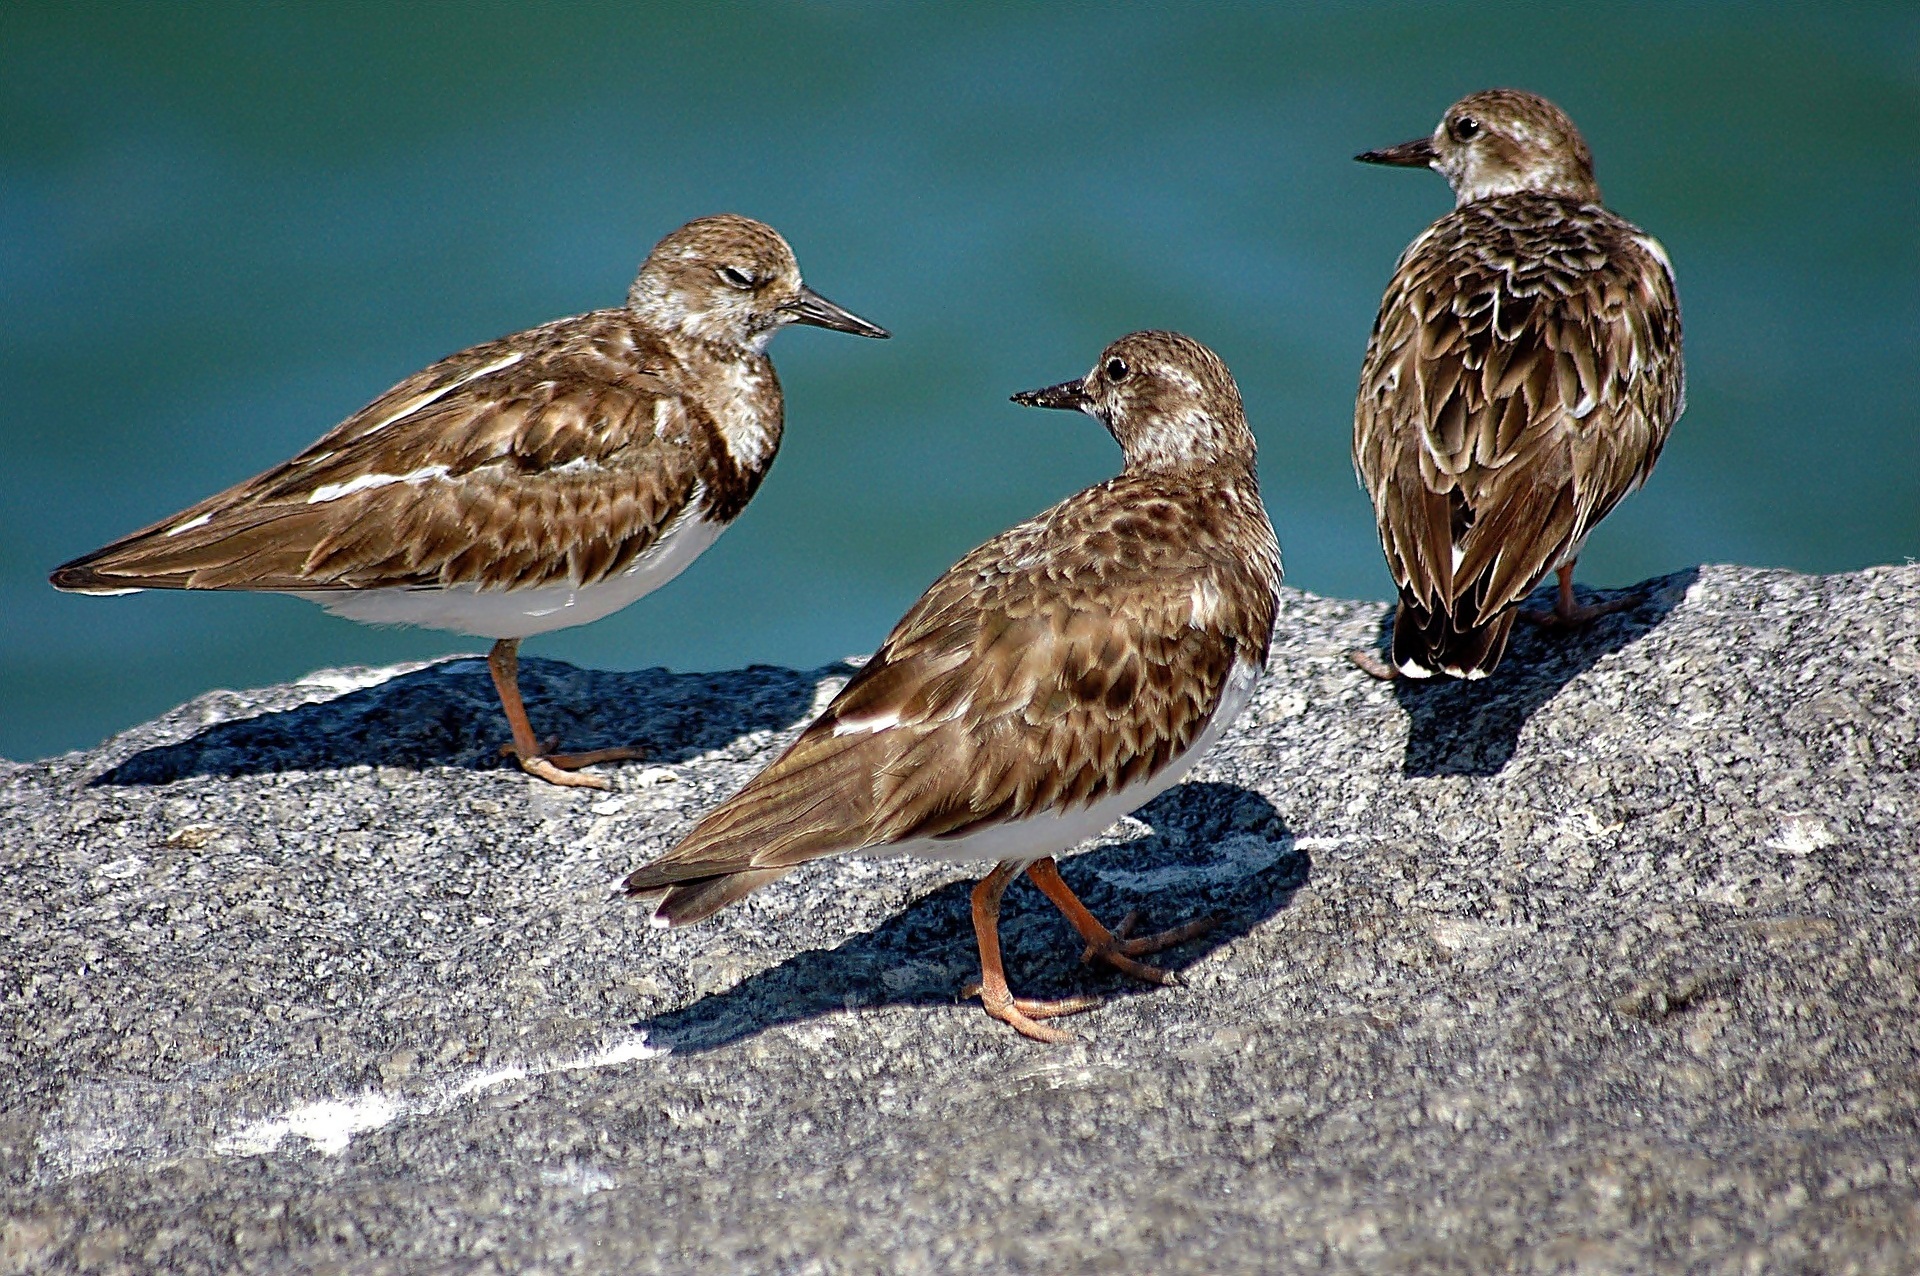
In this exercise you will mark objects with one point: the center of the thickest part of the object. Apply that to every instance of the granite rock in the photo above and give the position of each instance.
(1610, 962)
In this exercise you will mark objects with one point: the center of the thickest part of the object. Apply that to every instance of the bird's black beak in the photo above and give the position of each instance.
(1418, 153)
(1068, 394)
(811, 307)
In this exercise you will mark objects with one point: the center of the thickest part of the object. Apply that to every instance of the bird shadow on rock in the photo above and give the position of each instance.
(447, 714)
(1215, 849)
(1473, 728)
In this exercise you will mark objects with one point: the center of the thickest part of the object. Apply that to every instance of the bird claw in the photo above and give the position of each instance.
(1118, 950)
(562, 768)
(545, 769)
(1022, 1013)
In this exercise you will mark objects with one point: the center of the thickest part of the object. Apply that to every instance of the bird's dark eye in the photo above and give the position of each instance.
(736, 277)
(1465, 128)
(1117, 369)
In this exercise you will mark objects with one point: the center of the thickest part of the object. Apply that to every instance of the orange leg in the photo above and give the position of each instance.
(994, 995)
(1570, 614)
(1368, 661)
(503, 662)
(1113, 948)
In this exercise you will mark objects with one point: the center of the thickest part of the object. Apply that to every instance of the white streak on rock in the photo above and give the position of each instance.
(329, 1125)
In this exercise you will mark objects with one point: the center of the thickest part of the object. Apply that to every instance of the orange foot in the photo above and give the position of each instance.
(537, 757)
(1579, 614)
(1368, 661)
(1021, 1012)
(1115, 948)
(1568, 614)
(562, 768)
(1118, 951)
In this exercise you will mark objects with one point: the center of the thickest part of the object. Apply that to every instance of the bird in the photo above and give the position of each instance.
(1056, 678)
(539, 481)
(1522, 376)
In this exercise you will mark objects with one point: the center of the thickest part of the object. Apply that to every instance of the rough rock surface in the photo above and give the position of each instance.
(1607, 963)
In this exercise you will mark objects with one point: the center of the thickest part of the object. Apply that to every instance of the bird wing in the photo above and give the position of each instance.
(1523, 375)
(1069, 658)
(556, 454)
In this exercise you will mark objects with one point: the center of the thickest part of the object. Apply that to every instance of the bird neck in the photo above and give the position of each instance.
(1187, 445)
(670, 311)
(1562, 180)
(742, 392)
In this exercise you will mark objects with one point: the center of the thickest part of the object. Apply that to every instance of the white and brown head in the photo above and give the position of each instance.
(1501, 142)
(1167, 400)
(732, 282)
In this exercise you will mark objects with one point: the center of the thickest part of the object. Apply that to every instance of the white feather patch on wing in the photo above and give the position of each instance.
(434, 396)
(367, 482)
(865, 726)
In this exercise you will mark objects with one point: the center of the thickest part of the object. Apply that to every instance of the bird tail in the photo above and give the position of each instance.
(84, 575)
(814, 800)
(1427, 642)
(693, 899)
(78, 577)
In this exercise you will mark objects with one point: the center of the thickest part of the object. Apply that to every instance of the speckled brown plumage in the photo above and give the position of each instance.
(1069, 662)
(562, 459)
(1522, 376)
(560, 467)
(1052, 666)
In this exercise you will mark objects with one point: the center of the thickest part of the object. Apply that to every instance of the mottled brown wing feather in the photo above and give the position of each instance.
(1522, 377)
(563, 464)
(1061, 661)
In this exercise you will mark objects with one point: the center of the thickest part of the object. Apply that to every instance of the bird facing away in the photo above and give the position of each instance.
(532, 483)
(1523, 374)
(1056, 678)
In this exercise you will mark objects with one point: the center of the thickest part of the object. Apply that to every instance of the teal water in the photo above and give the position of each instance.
(224, 228)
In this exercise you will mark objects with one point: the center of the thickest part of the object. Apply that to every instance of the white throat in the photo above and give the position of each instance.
(740, 400)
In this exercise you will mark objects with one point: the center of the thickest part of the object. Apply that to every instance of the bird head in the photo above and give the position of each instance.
(1166, 399)
(1501, 142)
(732, 282)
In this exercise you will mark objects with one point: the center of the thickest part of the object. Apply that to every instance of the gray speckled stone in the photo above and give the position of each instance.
(1605, 964)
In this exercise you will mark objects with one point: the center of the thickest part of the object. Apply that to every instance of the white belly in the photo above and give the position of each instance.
(521, 613)
(1056, 831)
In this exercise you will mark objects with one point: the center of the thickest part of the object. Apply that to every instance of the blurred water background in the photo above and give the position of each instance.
(224, 227)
